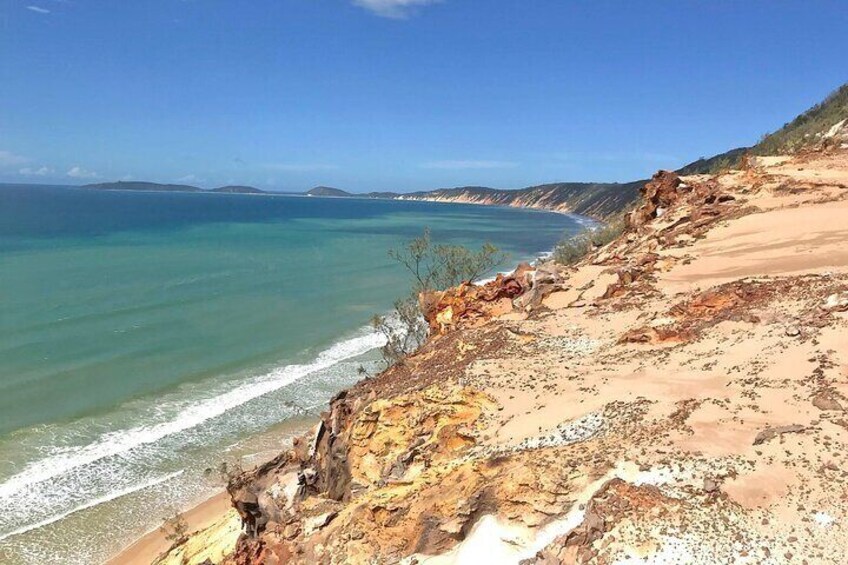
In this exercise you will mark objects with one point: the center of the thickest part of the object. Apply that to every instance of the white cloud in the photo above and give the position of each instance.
(9, 159)
(469, 164)
(78, 172)
(299, 167)
(39, 172)
(188, 178)
(38, 9)
(397, 9)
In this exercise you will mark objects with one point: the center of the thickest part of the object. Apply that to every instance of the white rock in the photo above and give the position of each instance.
(836, 302)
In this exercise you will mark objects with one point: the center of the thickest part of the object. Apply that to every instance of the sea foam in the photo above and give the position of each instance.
(91, 504)
(118, 443)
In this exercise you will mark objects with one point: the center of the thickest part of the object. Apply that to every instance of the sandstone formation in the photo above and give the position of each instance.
(595, 200)
(678, 396)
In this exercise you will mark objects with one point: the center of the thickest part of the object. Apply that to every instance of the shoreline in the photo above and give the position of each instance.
(211, 513)
(355, 196)
(138, 533)
(532, 208)
(152, 545)
(584, 422)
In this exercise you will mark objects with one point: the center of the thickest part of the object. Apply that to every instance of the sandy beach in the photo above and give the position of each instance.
(213, 524)
(210, 515)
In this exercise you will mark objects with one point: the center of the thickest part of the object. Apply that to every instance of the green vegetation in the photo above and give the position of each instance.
(404, 329)
(435, 267)
(703, 166)
(804, 129)
(596, 200)
(237, 189)
(571, 249)
(143, 186)
(432, 266)
(328, 191)
(794, 136)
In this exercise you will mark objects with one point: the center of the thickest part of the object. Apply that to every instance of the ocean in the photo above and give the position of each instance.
(145, 338)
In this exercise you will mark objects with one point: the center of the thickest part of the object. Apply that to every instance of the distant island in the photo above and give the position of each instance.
(141, 186)
(328, 191)
(595, 200)
(600, 201)
(238, 189)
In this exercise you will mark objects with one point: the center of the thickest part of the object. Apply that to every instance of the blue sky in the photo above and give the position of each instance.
(399, 94)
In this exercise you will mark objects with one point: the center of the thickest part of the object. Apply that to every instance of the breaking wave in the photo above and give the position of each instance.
(79, 477)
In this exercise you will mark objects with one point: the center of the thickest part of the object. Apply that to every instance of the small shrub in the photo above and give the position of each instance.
(437, 266)
(607, 233)
(571, 249)
(432, 266)
(404, 329)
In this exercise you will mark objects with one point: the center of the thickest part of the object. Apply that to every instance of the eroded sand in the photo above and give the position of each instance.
(680, 397)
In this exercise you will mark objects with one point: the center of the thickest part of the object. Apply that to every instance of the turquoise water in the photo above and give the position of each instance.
(146, 337)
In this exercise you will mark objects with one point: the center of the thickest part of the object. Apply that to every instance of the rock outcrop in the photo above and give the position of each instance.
(469, 304)
(678, 395)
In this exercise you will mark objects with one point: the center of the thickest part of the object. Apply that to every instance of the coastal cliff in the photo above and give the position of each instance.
(681, 391)
(678, 394)
(600, 201)
(595, 200)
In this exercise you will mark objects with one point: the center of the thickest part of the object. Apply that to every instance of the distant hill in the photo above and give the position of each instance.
(824, 123)
(826, 120)
(328, 191)
(339, 193)
(726, 160)
(596, 200)
(599, 200)
(143, 186)
(237, 189)
(157, 187)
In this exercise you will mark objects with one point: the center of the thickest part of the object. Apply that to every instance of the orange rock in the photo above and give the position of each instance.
(657, 195)
(469, 302)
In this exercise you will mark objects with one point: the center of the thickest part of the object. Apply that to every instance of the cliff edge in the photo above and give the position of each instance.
(679, 394)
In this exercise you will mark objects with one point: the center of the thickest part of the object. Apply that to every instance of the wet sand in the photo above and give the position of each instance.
(153, 544)
(213, 525)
